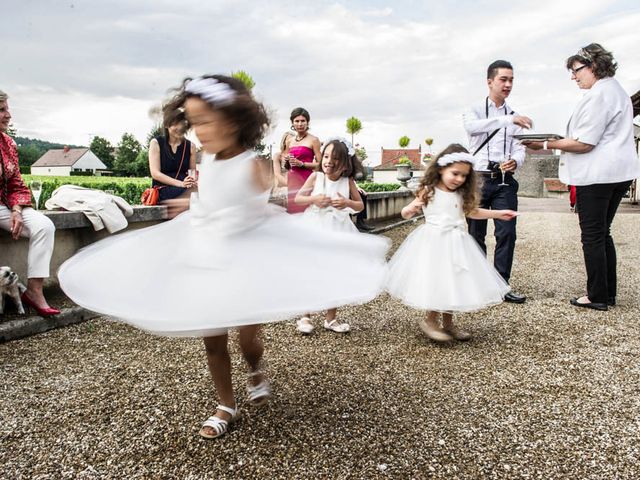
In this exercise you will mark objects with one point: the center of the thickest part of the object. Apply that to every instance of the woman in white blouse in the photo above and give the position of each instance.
(599, 158)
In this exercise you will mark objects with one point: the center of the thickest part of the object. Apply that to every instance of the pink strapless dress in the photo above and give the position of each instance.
(297, 176)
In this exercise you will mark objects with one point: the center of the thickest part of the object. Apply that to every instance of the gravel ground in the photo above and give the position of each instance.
(544, 390)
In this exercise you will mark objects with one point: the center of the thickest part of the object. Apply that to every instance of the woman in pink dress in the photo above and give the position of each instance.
(301, 156)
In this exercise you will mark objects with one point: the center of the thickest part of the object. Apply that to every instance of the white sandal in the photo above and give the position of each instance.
(219, 425)
(305, 326)
(258, 395)
(334, 326)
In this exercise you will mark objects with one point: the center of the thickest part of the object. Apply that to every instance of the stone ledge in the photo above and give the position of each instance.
(65, 220)
(393, 193)
(31, 325)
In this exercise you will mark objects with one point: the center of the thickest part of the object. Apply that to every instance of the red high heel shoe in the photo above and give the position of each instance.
(43, 312)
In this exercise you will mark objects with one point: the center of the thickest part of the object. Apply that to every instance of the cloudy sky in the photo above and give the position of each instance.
(79, 68)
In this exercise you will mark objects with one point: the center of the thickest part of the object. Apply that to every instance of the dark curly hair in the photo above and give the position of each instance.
(600, 61)
(469, 189)
(245, 112)
(349, 163)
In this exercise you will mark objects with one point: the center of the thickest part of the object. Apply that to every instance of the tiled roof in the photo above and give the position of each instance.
(390, 158)
(60, 157)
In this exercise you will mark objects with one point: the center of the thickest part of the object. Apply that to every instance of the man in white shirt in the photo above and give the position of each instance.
(491, 126)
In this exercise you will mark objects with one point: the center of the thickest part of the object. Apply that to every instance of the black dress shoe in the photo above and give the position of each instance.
(593, 305)
(363, 227)
(513, 297)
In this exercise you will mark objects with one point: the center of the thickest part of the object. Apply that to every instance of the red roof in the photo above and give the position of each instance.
(60, 157)
(390, 158)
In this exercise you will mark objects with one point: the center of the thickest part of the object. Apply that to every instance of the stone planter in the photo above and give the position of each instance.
(403, 174)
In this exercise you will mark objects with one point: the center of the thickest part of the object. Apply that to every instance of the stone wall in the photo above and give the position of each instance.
(536, 167)
(73, 232)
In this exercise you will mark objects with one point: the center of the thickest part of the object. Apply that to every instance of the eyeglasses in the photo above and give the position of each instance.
(575, 71)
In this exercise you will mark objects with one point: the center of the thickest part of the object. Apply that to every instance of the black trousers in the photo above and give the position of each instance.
(498, 197)
(361, 216)
(598, 204)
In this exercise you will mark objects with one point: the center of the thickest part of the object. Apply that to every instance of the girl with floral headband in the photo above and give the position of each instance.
(214, 266)
(332, 196)
(439, 267)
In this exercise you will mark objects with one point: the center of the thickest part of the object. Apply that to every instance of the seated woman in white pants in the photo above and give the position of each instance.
(17, 217)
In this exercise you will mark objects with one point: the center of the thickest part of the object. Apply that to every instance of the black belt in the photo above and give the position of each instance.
(488, 174)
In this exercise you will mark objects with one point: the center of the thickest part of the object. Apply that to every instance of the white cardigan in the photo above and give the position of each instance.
(603, 118)
(102, 210)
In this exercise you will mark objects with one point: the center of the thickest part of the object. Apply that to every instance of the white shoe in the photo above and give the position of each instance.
(305, 326)
(220, 426)
(334, 326)
(258, 395)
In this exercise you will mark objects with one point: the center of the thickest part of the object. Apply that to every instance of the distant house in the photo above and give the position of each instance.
(386, 172)
(62, 162)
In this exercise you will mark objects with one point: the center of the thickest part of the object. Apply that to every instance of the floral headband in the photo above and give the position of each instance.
(586, 55)
(450, 158)
(346, 142)
(211, 90)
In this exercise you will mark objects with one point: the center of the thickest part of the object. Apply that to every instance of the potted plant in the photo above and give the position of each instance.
(403, 167)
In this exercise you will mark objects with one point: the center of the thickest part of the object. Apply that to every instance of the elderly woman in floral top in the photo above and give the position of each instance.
(17, 217)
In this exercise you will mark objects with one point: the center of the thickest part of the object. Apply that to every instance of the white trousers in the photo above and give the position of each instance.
(40, 231)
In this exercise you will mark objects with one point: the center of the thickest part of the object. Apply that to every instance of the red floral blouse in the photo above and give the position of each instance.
(13, 190)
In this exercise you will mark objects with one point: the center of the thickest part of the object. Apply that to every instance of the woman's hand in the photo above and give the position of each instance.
(533, 145)
(321, 201)
(16, 224)
(339, 203)
(189, 182)
(294, 162)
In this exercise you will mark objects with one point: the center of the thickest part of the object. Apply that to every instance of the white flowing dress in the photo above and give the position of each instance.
(231, 260)
(331, 218)
(440, 267)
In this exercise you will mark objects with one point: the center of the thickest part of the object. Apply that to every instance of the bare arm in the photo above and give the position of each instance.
(315, 145)
(280, 179)
(413, 209)
(564, 144)
(483, 214)
(304, 197)
(261, 176)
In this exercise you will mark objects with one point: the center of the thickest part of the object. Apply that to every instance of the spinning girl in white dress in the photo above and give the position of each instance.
(332, 196)
(439, 267)
(218, 265)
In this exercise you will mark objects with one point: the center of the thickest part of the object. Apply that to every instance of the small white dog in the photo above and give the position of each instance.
(11, 286)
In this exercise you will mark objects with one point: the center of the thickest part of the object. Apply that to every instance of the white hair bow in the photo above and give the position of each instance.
(347, 143)
(211, 90)
(450, 158)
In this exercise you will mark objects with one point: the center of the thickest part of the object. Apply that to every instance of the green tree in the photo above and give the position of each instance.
(404, 141)
(245, 78)
(156, 131)
(28, 154)
(102, 149)
(354, 125)
(141, 164)
(128, 150)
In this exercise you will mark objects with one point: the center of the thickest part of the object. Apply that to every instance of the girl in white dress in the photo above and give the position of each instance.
(439, 267)
(332, 196)
(218, 265)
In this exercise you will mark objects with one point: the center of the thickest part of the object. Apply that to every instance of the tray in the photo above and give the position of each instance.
(538, 137)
